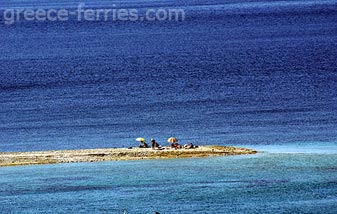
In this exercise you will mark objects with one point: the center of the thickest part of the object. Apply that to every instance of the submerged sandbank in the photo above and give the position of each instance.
(94, 155)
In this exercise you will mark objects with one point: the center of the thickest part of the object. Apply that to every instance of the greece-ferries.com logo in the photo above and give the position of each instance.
(83, 13)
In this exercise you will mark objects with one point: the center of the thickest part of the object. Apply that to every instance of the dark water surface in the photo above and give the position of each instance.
(234, 72)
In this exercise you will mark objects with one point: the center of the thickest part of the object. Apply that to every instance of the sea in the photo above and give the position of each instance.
(255, 73)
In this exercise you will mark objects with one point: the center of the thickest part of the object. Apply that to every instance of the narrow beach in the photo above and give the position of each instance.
(115, 154)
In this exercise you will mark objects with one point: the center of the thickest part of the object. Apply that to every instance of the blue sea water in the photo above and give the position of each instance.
(260, 74)
(234, 72)
(263, 183)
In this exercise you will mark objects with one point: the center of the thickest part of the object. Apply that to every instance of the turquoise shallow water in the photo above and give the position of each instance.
(263, 183)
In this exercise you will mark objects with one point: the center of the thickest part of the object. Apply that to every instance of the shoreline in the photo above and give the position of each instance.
(115, 154)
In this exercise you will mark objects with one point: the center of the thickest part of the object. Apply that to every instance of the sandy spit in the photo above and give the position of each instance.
(94, 155)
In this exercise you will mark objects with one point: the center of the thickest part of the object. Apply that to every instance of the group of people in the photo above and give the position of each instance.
(175, 145)
(154, 144)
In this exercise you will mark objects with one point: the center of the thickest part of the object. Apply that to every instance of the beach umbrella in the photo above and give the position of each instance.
(140, 139)
(172, 140)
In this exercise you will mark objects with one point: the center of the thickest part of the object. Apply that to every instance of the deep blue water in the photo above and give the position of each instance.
(234, 72)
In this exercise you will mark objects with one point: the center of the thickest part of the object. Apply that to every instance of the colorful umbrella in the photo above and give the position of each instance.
(172, 140)
(140, 139)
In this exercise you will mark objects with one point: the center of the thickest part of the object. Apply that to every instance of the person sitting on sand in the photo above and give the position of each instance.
(154, 144)
(176, 146)
(143, 145)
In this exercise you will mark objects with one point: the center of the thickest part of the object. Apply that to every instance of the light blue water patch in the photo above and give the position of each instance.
(263, 183)
(298, 147)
